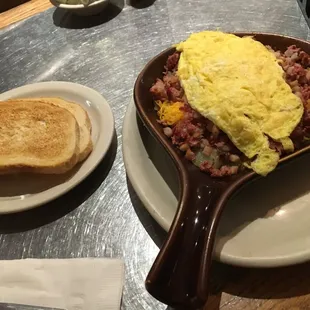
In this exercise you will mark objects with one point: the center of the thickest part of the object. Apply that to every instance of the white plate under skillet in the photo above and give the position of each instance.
(267, 224)
(26, 191)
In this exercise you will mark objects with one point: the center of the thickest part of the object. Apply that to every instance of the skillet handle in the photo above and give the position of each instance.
(175, 274)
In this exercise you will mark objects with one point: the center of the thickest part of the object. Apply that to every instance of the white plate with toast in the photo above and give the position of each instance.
(52, 136)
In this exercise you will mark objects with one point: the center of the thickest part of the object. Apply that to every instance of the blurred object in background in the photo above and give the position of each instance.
(20, 9)
(6, 5)
(305, 7)
(140, 4)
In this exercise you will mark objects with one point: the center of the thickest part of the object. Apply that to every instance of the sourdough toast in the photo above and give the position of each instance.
(81, 116)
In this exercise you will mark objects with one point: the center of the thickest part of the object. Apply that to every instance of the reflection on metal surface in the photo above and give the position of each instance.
(107, 54)
(305, 8)
(281, 212)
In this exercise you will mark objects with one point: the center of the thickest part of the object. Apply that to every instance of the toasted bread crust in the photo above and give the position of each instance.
(37, 137)
(88, 149)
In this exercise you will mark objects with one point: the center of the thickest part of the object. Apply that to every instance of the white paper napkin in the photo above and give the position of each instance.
(72, 284)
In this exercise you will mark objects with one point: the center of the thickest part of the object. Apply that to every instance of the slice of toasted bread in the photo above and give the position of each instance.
(86, 145)
(37, 137)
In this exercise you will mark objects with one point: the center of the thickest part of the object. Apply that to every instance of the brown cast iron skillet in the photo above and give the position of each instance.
(179, 275)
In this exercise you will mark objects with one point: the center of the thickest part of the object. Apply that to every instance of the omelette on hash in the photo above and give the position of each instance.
(229, 102)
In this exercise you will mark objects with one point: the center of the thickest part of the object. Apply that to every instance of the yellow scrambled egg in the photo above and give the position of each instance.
(238, 84)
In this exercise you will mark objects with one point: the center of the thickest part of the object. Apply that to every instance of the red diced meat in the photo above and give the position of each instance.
(158, 90)
(172, 62)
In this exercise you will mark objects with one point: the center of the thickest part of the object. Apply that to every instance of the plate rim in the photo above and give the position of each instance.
(77, 6)
(104, 141)
(257, 262)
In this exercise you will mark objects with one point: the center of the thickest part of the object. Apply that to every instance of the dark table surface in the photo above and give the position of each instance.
(103, 217)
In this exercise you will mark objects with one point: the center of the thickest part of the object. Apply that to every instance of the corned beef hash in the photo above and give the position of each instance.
(231, 103)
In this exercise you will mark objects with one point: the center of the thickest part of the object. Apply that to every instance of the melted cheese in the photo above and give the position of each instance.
(169, 113)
